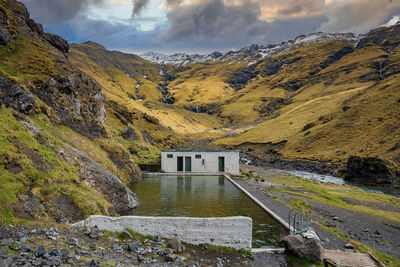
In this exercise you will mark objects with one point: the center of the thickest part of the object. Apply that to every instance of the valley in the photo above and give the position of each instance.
(77, 120)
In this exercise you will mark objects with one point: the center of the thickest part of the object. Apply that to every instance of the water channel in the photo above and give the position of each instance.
(204, 196)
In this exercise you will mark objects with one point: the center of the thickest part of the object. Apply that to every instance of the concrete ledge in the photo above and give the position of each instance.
(235, 232)
(269, 211)
(268, 250)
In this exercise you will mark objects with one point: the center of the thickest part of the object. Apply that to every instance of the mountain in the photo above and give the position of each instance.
(66, 151)
(319, 97)
(250, 53)
(79, 118)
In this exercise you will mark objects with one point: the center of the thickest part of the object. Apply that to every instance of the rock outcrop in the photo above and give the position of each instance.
(106, 183)
(310, 249)
(16, 97)
(372, 170)
(5, 36)
(129, 134)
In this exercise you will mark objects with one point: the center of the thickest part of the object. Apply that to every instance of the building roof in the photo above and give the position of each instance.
(183, 150)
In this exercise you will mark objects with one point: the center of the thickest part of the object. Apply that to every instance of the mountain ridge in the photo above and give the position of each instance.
(253, 51)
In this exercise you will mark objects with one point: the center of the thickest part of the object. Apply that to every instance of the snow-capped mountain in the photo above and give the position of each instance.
(393, 21)
(249, 53)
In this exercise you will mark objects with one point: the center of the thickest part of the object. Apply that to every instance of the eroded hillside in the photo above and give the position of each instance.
(321, 97)
(66, 151)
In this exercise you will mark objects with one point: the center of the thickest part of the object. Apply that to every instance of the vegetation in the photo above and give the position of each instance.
(28, 167)
(307, 192)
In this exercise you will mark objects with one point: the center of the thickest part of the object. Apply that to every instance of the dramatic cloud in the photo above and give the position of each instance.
(138, 6)
(58, 11)
(204, 25)
(358, 15)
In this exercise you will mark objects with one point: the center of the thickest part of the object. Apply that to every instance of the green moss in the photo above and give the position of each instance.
(300, 203)
(139, 235)
(333, 195)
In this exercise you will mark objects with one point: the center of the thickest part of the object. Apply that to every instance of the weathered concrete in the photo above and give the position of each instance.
(233, 232)
(269, 211)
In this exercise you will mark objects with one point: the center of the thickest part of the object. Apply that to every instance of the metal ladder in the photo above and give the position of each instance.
(298, 220)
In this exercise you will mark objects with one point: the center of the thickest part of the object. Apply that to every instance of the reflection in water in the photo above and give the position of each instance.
(204, 196)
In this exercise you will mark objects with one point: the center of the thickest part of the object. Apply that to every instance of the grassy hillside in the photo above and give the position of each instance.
(323, 101)
(47, 106)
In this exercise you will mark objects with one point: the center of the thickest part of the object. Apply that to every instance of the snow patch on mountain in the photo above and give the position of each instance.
(393, 21)
(251, 53)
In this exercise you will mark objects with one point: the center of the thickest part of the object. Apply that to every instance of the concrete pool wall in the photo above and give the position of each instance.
(235, 232)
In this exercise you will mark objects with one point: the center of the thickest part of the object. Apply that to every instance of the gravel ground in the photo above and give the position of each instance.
(376, 232)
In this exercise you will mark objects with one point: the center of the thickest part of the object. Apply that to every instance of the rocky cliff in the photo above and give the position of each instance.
(48, 110)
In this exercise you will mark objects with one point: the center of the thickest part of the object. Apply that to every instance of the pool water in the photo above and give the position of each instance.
(204, 196)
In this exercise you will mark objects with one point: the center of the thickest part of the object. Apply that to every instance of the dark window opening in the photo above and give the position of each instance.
(170, 156)
(198, 156)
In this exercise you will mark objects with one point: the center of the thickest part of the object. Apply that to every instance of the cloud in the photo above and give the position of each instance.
(58, 11)
(358, 15)
(218, 23)
(204, 25)
(138, 6)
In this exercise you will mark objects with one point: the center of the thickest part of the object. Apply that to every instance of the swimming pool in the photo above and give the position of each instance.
(204, 196)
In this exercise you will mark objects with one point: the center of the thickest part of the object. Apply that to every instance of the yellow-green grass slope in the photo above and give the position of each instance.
(136, 84)
(336, 113)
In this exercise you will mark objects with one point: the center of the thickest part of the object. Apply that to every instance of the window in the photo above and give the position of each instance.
(170, 156)
(198, 156)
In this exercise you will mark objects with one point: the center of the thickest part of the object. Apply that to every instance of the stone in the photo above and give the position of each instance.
(64, 252)
(58, 42)
(348, 246)
(310, 249)
(26, 248)
(372, 170)
(140, 258)
(132, 247)
(106, 183)
(54, 252)
(3, 251)
(2, 263)
(94, 263)
(73, 242)
(176, 244)
(5, 36)
(129, 134)
(40, 251)
(6, 242)
(126, 234)
(157, 238)
(16, 97)
(169, 258)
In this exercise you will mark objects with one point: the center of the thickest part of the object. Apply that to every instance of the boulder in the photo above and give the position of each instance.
(106, 183)
(372, 170)
(5, 36)
(129, 134)
(58, 42)
(310, 249)
(176, 244)
(16, 97)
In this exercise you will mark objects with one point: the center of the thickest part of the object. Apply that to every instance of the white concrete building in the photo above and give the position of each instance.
(208, 161)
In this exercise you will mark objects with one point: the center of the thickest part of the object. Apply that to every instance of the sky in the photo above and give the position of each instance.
(203, 26)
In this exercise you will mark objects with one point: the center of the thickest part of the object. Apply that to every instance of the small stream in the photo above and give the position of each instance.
(339, 181)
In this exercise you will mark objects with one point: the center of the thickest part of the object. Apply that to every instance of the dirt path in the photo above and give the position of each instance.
(374, 231)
